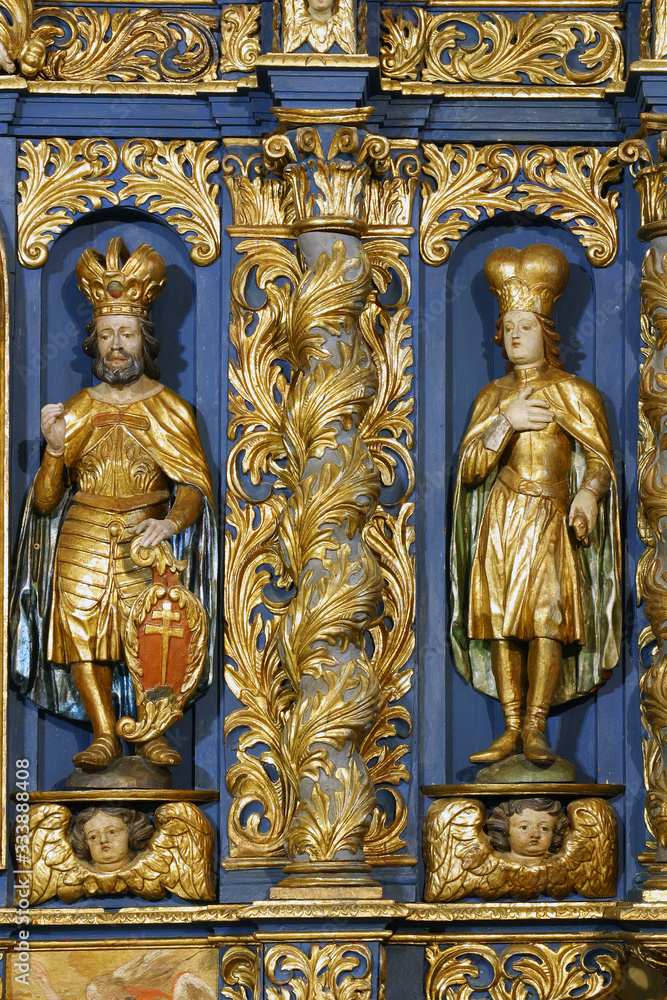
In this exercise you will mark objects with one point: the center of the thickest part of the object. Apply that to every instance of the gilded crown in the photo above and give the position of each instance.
(121, 282)
(530, 279)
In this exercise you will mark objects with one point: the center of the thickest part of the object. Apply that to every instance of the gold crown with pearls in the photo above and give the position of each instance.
(121, 282)
(530, 279)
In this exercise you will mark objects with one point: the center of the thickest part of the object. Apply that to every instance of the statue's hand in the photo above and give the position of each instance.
(526, 414)
(154, 531)
(53, 426)
(583, 513)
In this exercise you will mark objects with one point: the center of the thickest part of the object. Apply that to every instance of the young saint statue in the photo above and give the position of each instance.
(536, 541)
(122, 459)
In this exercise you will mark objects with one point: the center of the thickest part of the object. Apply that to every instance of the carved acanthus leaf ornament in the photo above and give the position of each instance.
(570, 185)
(590, 970)
(172, 180)
(63, 180)
(239, 26)
(239, 971)
(332, 971)
(563, 49)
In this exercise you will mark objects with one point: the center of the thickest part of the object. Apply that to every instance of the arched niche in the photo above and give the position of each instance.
(471, 359)
(49, 330)
(66, 311)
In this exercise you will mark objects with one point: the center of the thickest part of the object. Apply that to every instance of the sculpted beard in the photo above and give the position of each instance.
(128, 368)
(123, 370)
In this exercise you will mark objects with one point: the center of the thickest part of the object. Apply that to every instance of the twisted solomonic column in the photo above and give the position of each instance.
(337, 580)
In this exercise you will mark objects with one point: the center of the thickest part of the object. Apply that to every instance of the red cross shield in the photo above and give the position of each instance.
(166, 645)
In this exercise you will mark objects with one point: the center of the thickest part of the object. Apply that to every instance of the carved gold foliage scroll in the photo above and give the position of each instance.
(239, 26)
(142, 44)
(239, 972)
(468, 181)
(565, 49)
(261, 776)
(63, 180)
(172, 180)
(332, 972)
(586, 970)
(651, 588)
(570, 185)
(66, 179)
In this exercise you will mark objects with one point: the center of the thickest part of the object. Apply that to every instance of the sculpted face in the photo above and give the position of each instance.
(120, 349)
(108, 839)
(523, 338)
(321, 10)
(530, 833)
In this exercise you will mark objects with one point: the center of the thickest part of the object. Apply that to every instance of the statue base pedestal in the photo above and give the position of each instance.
(327, 880)
(123, 772)
(519, 769)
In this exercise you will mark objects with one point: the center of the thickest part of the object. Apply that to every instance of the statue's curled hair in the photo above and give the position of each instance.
(140, 828)
(497, 824)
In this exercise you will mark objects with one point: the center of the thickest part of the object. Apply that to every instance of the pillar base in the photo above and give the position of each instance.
(327, 880)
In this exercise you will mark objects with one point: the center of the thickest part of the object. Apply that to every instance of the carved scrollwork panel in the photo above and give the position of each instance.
(563, 49)
(334, 971)
(468, 180)
(144, 44)
(588, 970)
(570, 185)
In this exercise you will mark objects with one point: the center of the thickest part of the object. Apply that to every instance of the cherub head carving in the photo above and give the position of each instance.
(109, 838)
(527, 830)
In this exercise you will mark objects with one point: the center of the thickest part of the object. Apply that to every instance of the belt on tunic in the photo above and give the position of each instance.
(122, 503)
(533, 487)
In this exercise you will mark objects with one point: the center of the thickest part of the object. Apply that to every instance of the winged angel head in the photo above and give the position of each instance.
(109, 850)
(320, 24)
(153, 975)
(526, 848)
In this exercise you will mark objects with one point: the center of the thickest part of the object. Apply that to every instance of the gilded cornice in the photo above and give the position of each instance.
(614, 912)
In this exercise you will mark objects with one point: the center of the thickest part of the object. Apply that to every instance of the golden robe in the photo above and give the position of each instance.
(517, 570)
(122, 460)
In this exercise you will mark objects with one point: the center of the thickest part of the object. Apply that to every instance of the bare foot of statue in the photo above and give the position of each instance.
(158, 751)
(503, 746)
(99, 754)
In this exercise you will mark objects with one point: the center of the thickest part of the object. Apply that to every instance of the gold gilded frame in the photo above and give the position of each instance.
(4, 550)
